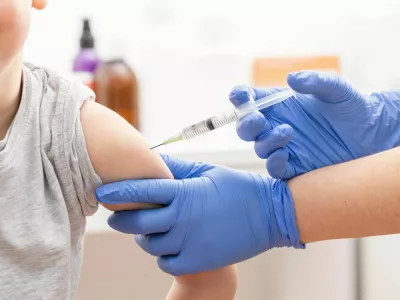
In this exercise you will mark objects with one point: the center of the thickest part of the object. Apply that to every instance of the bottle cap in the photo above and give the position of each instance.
(87, 40)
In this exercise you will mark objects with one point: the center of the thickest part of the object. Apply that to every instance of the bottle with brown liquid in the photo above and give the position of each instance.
(116, 87)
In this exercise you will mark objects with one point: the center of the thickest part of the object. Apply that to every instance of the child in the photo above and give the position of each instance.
(55, 149)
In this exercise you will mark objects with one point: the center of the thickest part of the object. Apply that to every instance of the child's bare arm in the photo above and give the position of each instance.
(119, 152)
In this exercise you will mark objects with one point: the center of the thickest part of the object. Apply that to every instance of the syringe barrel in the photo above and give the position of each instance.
(210, 124)
(239, 112)
(246, 108)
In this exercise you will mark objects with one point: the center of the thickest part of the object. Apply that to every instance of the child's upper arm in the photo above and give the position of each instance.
(118, 151)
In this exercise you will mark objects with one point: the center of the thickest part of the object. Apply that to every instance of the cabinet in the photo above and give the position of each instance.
(381, 268)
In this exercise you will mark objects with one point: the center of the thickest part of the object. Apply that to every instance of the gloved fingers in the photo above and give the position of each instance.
(278, 165)
(158, 244)
(182, 169)
(145, 221)
(325, 86)
(242, 94)
(273, 140)
(172, 265)
(154, 191)
(251, 126)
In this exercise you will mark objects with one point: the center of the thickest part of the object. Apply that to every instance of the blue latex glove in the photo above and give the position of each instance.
(328, 122)
(214, 216)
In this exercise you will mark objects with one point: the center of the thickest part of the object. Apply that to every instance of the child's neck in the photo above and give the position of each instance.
(10, 95)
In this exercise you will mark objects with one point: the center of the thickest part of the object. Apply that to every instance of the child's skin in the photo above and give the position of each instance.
(14, 27)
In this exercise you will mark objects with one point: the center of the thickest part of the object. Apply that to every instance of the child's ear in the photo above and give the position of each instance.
(39, 4)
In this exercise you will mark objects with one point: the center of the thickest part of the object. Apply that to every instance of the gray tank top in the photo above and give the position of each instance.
(47, 184)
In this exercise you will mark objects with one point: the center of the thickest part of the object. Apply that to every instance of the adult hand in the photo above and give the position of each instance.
(327, 122)
(213, 216)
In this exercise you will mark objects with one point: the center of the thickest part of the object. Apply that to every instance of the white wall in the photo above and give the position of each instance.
(188, 54)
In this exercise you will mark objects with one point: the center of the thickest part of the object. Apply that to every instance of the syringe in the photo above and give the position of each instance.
(215, 122)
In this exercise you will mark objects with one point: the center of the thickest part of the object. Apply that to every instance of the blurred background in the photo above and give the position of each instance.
(183, 58)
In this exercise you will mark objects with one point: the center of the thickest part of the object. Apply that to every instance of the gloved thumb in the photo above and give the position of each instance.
(325, 86)
(153, 191)
(243, 93)
(182, 169)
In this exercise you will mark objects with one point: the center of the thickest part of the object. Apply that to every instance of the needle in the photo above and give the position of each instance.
(226, 118)
(156, 146)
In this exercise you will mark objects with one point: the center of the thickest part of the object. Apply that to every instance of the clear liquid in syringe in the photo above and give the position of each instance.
(209, 125)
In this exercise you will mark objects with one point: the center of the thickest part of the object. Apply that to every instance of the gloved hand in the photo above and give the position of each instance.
(328, 122)
(214, 216)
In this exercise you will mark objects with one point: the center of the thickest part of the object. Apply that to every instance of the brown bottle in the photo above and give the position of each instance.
(116, 87)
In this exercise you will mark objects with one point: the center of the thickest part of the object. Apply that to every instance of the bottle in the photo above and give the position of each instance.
(116, 87)
(87, 60)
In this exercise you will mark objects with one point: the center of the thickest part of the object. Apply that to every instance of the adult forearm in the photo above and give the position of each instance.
(355, 199)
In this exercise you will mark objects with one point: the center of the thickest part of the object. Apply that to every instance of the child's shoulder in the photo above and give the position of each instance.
(46, 75)
(54, 103)
(50, 86)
